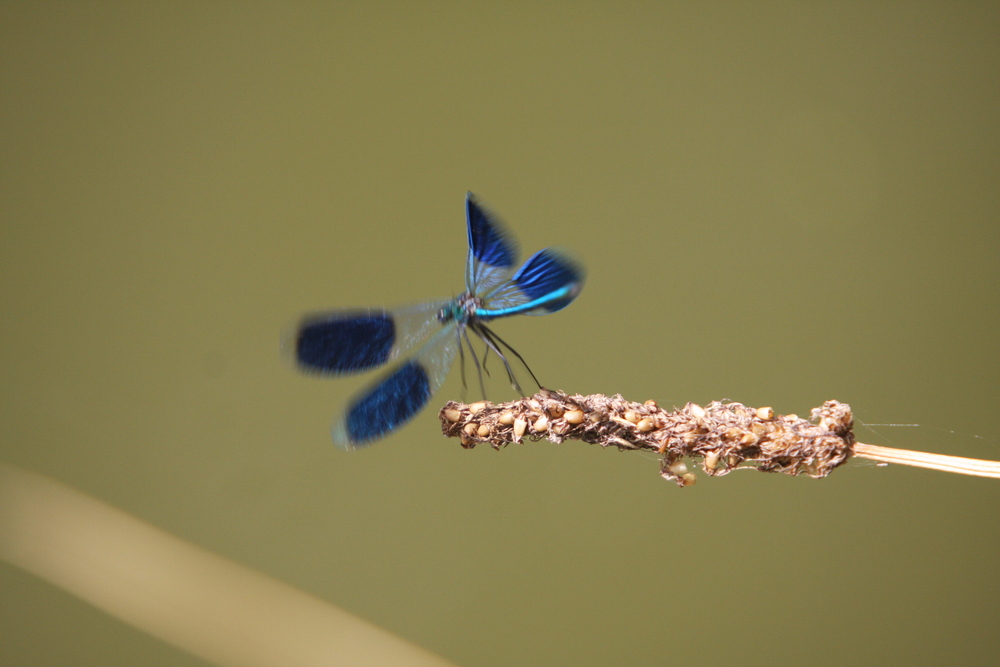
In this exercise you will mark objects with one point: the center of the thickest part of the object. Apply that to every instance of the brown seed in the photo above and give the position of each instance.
(765, 414)
(696, 411)
(631, 416)
(506, 418)
(574, 416)
(452, 415)
(541, 424)
(678, 467)
(749, 439)
(520, 426)
(688, 479)
(711, 460)
(476, 407)
(645, 425)
(471, 428)
(483, 431)
(651, 403)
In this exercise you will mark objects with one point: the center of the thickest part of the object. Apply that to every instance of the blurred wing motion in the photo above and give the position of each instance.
(492, 249)
(547, 282)
(395, 397)
(344, 342)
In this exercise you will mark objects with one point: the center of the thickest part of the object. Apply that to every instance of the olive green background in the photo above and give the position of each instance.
(777, 204)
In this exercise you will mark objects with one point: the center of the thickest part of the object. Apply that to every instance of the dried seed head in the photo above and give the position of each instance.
(725, 436)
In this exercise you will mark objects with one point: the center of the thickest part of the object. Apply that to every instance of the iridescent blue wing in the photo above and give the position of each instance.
(352, 341)
(397, 396)
(492, 249)
(547, 282)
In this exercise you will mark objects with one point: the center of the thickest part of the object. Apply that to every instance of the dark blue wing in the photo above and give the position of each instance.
(492, 249)
(396, 397)
(547, 282)
(345, 344)
(342, 342)
(392, 402)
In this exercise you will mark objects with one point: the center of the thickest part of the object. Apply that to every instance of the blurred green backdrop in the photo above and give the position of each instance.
(777, 203)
